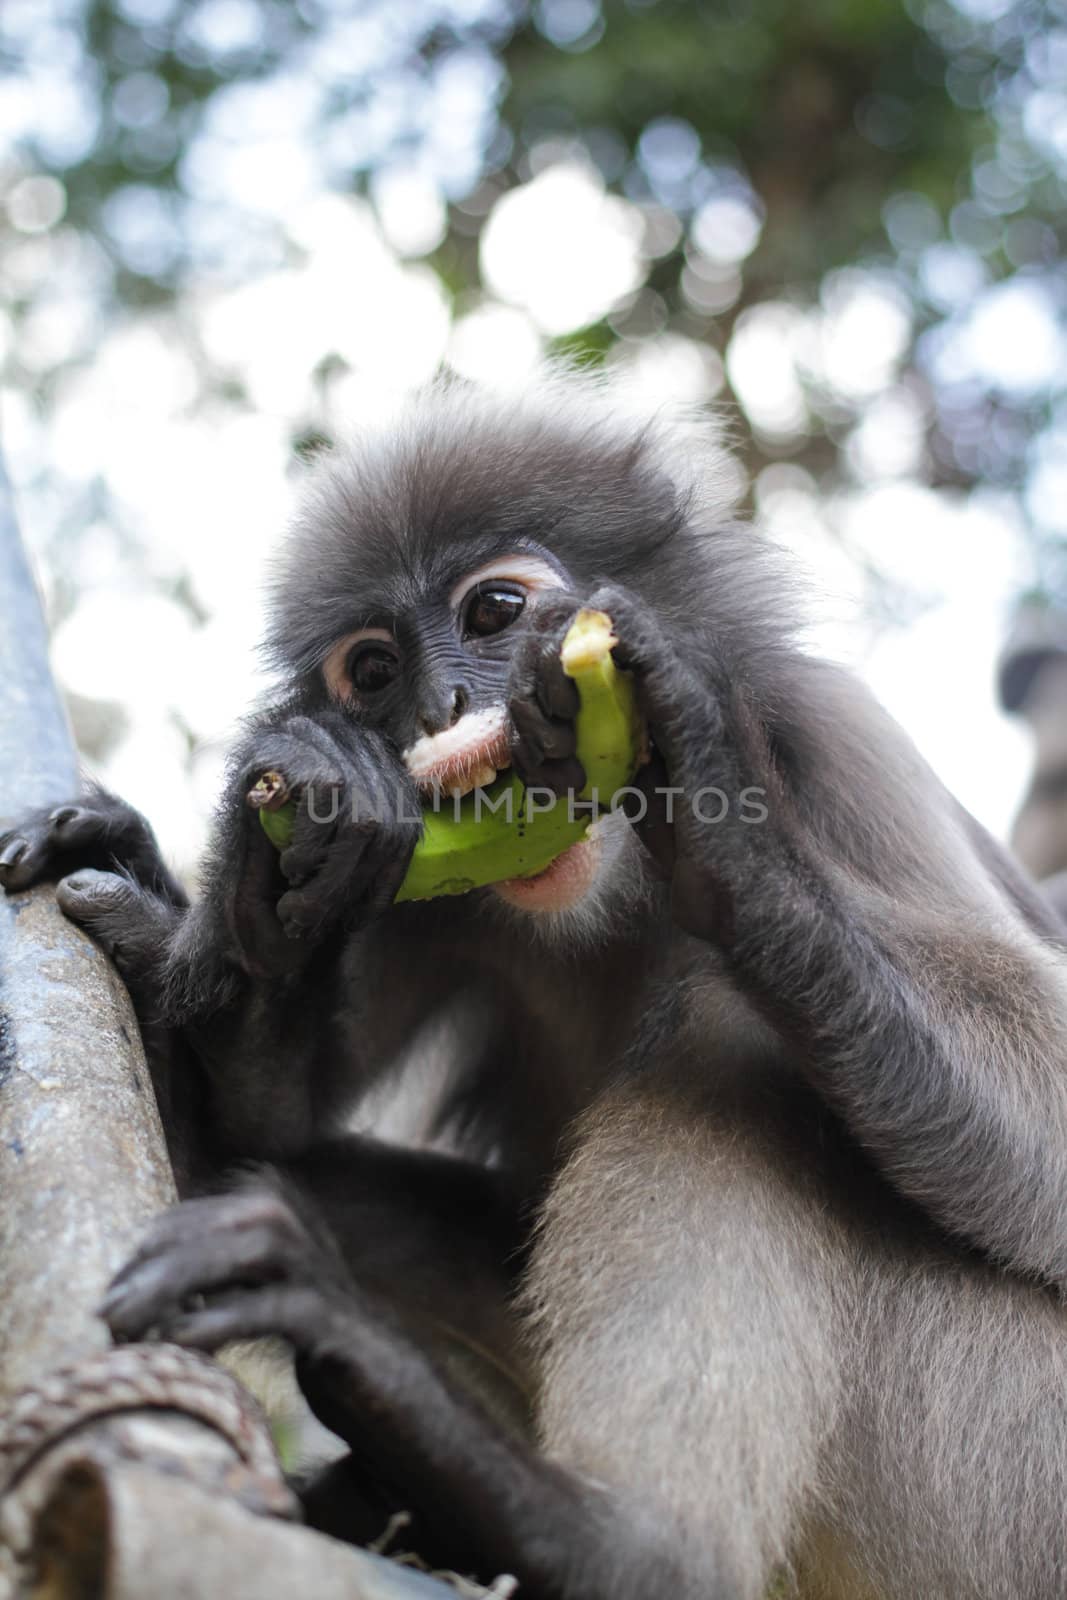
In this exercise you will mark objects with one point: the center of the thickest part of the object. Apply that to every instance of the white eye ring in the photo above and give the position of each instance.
(531, 573)
(335, 667)
(528, 572)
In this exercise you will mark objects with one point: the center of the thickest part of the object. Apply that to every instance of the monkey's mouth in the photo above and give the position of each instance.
(462, 758)
(470, 755)
(561, 884)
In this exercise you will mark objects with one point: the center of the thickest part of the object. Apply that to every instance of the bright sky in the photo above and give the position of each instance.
(207, 493)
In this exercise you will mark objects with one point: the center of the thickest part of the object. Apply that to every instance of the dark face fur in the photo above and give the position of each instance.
(441, 663)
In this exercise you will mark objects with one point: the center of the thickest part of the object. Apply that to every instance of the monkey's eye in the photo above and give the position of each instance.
(491, 607)
(372, 667)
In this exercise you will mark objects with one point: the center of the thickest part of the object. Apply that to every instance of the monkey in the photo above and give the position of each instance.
(753, 1135)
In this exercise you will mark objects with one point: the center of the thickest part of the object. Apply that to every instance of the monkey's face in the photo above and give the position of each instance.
(423, 550)
(433, 675)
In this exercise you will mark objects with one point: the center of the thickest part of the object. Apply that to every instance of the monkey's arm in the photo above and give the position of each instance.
(481, 1496)
(921, 1004)
(242, 1064)
(688, 1307)
(441, 1238)
(251, 996)
(860, 919)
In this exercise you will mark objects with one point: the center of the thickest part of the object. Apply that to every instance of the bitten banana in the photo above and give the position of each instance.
(501, 831)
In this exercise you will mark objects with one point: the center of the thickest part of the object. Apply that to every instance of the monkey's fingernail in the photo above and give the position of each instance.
(62, 815)
(14, 852)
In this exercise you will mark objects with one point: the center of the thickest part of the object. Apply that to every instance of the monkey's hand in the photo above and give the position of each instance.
(112, 880)
(543, 701)
(96, 830)
(710, 777)
(208, 1267)
(355, 826)
(249, 1264)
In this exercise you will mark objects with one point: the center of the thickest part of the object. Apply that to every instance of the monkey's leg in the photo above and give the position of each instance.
(948, 1471)
(683, 1294)
(443, 1238)
(691, 1301)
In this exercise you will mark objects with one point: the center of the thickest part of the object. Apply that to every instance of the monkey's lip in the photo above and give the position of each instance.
(466, 756)
(561, 884)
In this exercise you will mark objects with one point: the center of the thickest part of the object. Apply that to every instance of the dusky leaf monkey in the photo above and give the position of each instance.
(756, 1130)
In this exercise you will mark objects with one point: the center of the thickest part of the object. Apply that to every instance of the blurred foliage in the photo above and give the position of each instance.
(917, 152)
(870, 133)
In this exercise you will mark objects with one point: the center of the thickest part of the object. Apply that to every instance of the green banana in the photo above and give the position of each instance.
(500, 832)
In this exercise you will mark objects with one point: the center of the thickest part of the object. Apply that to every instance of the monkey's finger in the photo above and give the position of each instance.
(557, 694)
(636, 627)
(358, 879)
(294, 1313)
(686, 722)
(561, 777)
(315, 828)
(538, 737)
(309, 910)
(543, 678)
(131, 924)
(257, 1204)
(159, 1286)
(355, 809)
(38, 846)
(23, 860)
(260, 944)
(307, 914)
(386, 867)
(537, 673)
(653, 821)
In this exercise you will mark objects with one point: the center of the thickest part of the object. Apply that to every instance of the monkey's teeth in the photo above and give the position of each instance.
(478, 778)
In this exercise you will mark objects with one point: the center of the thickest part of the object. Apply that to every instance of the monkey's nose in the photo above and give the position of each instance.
(432, 722)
